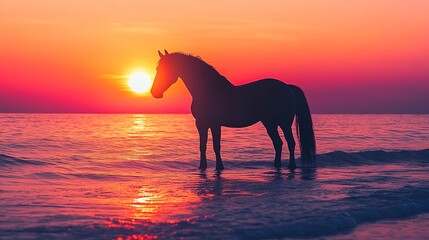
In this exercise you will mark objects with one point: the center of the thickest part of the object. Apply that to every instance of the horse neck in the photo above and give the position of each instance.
(203, 81)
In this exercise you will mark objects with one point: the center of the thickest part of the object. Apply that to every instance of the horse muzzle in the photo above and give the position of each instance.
(156, 95)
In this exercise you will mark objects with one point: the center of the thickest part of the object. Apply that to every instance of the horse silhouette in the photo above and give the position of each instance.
(216, 102)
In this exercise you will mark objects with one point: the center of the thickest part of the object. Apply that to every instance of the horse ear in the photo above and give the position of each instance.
(165, 52)
(160, 54)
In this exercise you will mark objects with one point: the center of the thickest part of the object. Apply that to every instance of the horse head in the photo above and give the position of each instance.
(166, 75)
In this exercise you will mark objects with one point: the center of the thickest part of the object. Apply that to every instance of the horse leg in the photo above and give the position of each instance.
(216, 132)
(203, 131)
(287, 131)
(277, 142)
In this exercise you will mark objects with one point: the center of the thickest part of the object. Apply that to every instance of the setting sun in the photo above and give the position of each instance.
(139, 82)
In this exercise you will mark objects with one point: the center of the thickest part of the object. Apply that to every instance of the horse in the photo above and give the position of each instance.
(216, 102)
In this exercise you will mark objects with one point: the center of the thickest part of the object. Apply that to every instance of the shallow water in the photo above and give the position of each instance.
(408, 228)
(135, 176)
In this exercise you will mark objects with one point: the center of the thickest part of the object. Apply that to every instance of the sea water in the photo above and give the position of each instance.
(93, 176)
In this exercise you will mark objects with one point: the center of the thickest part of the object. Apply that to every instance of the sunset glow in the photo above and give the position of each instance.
(67, 56)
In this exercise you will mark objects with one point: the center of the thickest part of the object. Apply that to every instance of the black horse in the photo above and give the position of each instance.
(216, 102)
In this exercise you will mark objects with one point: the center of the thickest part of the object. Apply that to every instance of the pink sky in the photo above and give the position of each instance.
(349, 57)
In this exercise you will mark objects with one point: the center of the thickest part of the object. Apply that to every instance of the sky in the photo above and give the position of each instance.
(363, 56)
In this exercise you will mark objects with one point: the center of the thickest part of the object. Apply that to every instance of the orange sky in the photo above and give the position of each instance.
(349, 56)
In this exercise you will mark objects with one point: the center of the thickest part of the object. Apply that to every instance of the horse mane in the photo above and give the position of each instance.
(204, 66)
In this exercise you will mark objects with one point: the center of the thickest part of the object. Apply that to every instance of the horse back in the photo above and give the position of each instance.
(244, 105)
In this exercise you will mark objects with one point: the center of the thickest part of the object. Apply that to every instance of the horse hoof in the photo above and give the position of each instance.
(292, 167)
(277, 164)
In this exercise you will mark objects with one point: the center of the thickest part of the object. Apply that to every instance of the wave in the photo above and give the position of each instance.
(412, 201)
(6, 160)
(331, 159)
(339, 158)
(343, 159)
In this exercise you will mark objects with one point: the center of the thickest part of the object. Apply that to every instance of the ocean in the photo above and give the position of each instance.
(135, 176)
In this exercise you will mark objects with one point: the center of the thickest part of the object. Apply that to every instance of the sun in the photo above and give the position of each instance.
(139, 82)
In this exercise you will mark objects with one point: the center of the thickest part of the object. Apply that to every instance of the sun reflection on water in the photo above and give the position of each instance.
(137, 135)
(157, 204)
(148, 203)
(138, 237)
(153, 203)
(139, 122)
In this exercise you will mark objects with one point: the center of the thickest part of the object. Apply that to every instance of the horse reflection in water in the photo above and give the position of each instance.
(216, 102)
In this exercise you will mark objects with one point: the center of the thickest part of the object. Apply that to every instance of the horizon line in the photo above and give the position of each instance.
(316, 113)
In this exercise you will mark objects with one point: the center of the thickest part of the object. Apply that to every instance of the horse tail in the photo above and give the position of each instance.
(304, 127)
